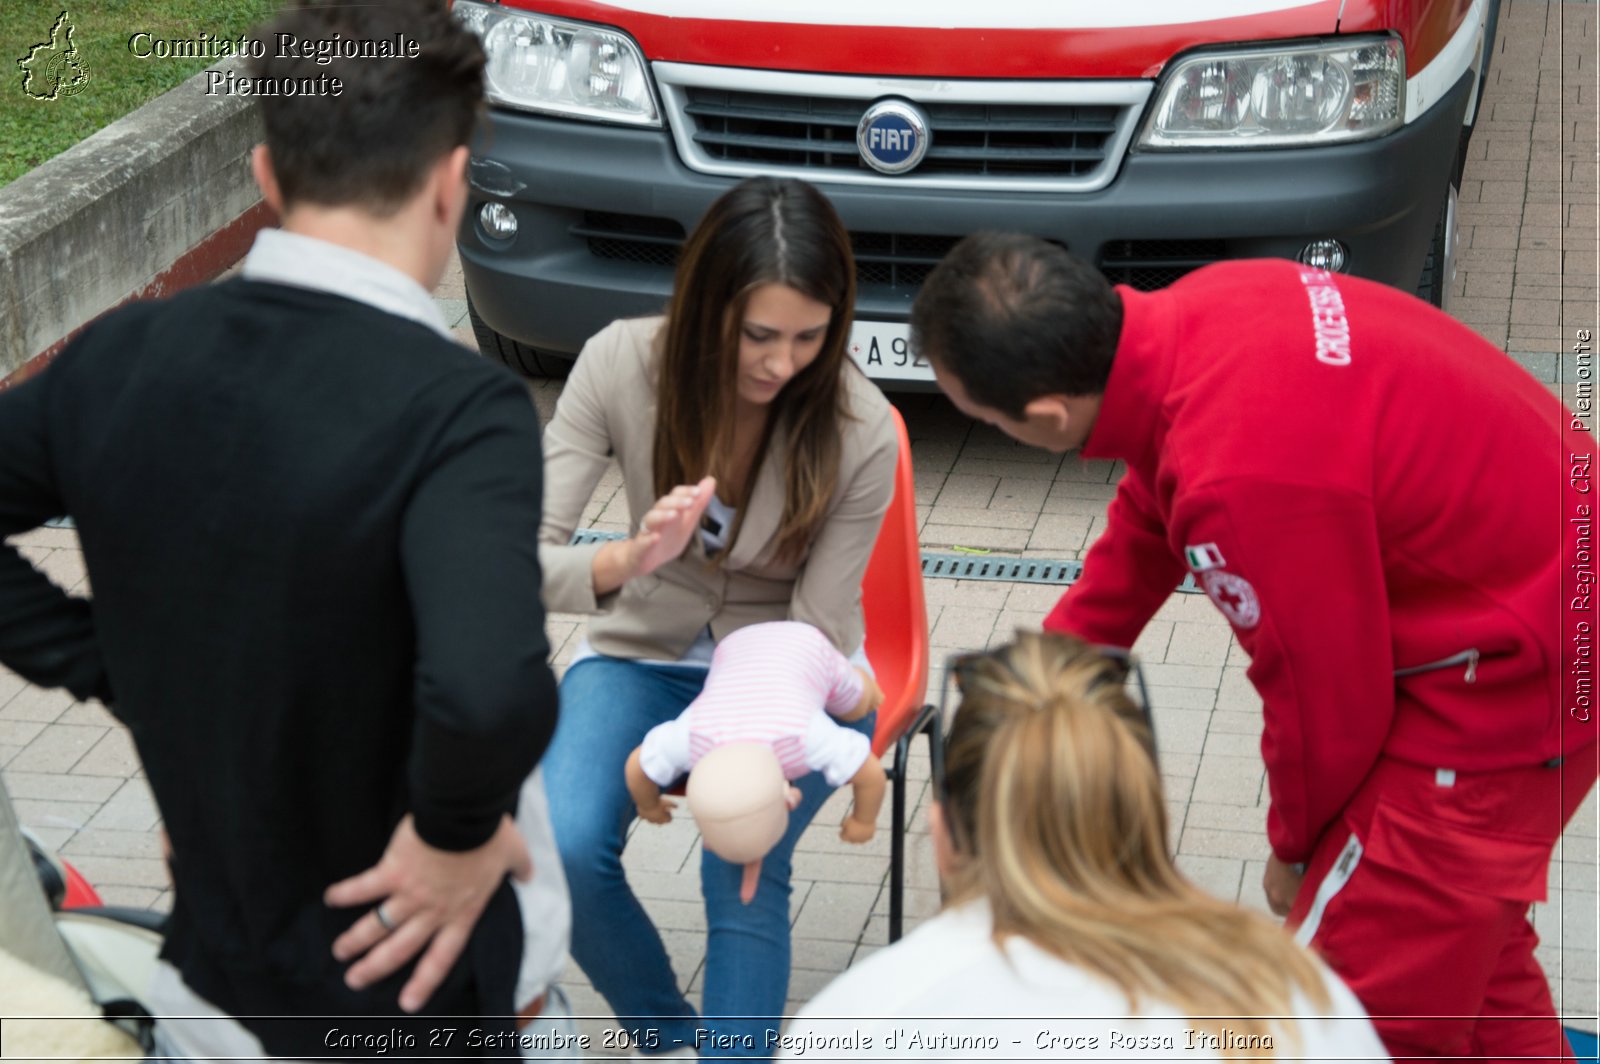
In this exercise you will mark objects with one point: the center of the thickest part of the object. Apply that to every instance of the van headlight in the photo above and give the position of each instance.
(558, 67)
(1297, 96)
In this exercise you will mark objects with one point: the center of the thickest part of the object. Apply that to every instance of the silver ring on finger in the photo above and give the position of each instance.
(384, 918)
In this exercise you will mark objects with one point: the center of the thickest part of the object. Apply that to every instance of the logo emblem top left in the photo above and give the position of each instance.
(54, 68)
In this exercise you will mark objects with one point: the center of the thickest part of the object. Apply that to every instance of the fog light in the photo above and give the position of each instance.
(1324, 255)
(498, 221)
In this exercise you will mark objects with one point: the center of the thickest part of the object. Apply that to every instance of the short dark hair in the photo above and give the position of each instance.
(1013, 317)
(372, 144)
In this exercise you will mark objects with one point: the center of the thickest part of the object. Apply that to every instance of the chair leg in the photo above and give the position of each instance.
(897, 840)
(929, 724)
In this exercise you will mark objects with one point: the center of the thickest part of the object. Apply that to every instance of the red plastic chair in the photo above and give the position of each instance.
(897, 645)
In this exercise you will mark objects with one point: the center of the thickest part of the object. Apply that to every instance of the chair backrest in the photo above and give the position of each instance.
(896, 612)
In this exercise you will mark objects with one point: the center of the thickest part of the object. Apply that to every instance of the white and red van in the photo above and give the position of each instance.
(1150, 137)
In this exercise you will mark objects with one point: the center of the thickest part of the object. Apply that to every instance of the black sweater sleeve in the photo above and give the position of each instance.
(46, 636)
(486, 698)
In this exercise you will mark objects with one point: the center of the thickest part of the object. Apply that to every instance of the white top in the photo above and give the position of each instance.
(778, 683)
(281, 257)
(947, 991)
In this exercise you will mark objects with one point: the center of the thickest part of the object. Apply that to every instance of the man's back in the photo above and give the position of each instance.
(1348, 390)
(1371, 494)
(309, 525)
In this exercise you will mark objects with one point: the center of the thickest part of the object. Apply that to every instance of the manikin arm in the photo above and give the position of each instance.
(868, 784)
(871, 699)
(646, 795)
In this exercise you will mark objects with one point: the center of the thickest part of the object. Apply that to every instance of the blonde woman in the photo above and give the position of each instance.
(1064, 911)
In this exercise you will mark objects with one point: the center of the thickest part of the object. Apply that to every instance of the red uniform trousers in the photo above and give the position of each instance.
(1418, 897)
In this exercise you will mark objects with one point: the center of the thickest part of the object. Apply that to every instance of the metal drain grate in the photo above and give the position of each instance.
(964, 566)
(1010, 570)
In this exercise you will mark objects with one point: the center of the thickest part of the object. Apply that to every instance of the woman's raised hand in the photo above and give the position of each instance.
(662, 536)
(665, 530)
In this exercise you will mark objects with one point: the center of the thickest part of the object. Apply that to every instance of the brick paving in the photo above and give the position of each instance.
(1526, 281)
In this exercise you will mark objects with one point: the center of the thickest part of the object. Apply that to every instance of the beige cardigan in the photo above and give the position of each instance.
(609, 407)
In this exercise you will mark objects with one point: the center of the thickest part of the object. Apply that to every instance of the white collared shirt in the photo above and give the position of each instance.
(281, 257)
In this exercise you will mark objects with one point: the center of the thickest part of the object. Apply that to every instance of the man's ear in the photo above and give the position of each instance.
(450, 197)
(1049, 411)
(266, 178)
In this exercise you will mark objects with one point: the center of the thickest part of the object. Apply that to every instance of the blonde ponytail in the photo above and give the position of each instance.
(1054, 796)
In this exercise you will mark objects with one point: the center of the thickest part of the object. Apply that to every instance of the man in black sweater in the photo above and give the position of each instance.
(310, 520)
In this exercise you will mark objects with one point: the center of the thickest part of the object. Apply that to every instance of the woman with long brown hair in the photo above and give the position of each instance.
(1062, 902)
(757, 462)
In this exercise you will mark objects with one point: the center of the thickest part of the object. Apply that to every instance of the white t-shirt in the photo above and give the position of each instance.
(947, 991)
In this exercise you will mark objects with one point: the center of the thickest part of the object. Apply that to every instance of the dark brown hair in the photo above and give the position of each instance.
(372, 144)
(762, 231)
(1014, 317)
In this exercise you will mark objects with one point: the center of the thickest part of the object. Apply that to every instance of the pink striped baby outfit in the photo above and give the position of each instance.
(774, 683)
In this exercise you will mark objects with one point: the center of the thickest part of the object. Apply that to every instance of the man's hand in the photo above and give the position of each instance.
(1281, 882)
(431, 899)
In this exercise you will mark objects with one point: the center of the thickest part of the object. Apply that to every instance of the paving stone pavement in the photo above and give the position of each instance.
(1526, 281)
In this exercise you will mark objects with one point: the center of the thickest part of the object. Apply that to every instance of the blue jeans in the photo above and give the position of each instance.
(607, 705)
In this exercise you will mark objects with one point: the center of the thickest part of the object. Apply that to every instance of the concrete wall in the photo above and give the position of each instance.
(159, 199)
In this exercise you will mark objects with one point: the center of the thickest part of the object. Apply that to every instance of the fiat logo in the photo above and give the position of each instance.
(893, 136)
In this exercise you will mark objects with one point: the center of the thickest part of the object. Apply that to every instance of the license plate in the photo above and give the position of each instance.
(883, 349)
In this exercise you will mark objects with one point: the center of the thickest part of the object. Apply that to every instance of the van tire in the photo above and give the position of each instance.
(1438, 272)
(528, 361)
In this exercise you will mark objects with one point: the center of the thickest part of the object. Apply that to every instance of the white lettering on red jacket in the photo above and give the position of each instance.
(1328, 322)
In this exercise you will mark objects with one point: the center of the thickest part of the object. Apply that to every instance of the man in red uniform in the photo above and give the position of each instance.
(1397, 522)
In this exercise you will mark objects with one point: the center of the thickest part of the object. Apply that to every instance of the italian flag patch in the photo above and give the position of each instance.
(1203, 557)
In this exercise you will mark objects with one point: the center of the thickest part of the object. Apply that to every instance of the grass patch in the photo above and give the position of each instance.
(33, 130)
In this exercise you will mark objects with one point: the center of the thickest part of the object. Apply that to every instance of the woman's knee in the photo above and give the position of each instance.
(589, 840)
(720, 884)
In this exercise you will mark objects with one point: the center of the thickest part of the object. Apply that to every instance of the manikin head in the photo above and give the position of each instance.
(740, 800)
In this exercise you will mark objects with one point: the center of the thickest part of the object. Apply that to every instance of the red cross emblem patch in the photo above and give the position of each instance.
(1234, 597)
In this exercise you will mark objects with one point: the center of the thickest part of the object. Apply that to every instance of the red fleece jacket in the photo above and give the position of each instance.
(1395, 517)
